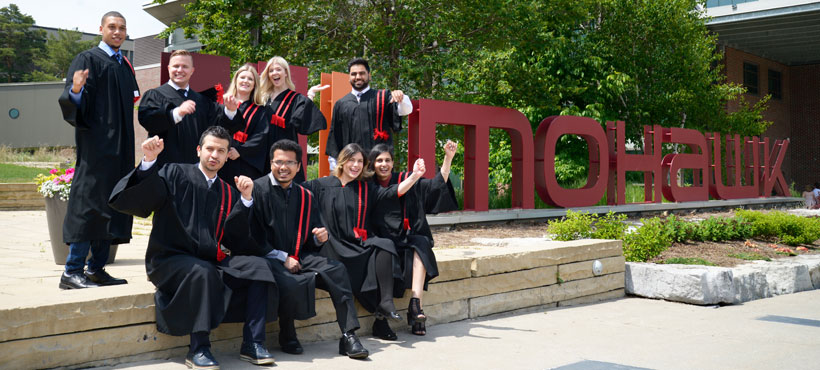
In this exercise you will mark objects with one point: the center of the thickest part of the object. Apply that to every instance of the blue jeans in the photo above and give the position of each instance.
(78, 251)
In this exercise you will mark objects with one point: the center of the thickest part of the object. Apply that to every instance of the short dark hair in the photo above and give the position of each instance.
(218, 132)
(358, 61)
(287, 145)
(375, 153)
(111, 14)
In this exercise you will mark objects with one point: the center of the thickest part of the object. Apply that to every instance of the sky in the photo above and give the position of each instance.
(85, 14)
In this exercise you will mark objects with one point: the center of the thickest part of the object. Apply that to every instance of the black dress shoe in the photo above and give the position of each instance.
(76, 280)
(291, 346)
(255, 353)
(381, 329)
(350, 346)
(385, 314)
(202, 359)
(103, 279)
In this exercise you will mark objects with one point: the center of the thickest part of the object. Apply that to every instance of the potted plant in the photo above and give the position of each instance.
(55, 188)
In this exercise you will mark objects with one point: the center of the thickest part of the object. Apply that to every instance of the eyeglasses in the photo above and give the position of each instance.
(285, 163)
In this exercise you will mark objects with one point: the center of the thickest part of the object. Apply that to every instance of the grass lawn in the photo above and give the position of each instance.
(10, 173)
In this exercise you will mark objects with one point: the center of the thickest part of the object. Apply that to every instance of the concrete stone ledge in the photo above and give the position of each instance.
(93, 331)
(707, 285)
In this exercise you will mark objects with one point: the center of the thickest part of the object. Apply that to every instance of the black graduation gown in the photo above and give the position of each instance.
(427, 196)
(181, 139)
(291, 114)
(367, 123)
(285, 222)
(251, 141)
(345, 210)
(104, 133)
(181, 259)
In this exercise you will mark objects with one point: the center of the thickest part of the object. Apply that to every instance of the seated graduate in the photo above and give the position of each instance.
(404, 221)
(346, 201)
(249, 145)
(287, 224)
(198, 252)
(179, 115)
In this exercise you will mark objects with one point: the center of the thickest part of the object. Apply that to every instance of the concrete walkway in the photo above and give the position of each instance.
(632, 333)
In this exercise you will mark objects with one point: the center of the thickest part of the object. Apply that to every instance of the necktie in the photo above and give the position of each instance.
(183, 92)
(358, 95)
(118, 57)
(210, 182)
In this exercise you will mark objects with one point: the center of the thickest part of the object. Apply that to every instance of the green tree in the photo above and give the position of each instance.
(60, 51)
(19, 43)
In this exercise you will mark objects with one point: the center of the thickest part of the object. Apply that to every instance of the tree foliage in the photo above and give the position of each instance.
(60, 51)
(642, 61)
(19, 44)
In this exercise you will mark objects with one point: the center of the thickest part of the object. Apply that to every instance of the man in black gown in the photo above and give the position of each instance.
(366, 117)
(198, 254)
(179, 115)
(98, 100)
(288, 226)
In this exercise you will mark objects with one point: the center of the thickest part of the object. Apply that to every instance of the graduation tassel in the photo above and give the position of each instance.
(406, 224)
(219, 92)
(379, 134)
(360, 233)
(277, 120)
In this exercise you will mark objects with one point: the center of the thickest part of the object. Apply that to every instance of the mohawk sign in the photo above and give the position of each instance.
(752, 164)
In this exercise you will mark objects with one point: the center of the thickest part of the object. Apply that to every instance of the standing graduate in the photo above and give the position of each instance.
(291, 113)
(366, 117)
(288, 226)
(98, 100)
(404, 221)
(249, 144)
(346, 201)
(179, 115)
(199, 254)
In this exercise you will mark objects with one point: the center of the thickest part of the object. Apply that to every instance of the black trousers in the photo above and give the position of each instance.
(255, 307)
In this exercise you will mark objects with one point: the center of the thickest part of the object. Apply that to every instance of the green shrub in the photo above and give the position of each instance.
(749, 256)
(687, 261)
(576, 225)
(790, 229)
(679, 230)
(610, 226)
(648, 241)
(718, 229)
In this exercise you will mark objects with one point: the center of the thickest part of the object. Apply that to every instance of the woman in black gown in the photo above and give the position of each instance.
(249, 144)
(403, 220)
(346, 201)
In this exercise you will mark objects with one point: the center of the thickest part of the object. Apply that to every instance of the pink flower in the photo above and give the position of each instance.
(69, 171)
(53, 171)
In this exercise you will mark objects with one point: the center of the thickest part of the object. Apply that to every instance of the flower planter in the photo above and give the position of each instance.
(55, 214)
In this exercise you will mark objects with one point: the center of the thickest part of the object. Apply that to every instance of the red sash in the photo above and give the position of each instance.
(278, 118)
(220, 227)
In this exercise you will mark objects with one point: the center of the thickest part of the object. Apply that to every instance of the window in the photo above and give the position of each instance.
(775, 87)
(750, 78)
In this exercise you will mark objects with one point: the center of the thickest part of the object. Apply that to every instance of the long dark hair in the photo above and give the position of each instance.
(375, 153)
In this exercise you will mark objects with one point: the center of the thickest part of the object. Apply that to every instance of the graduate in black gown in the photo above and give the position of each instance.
(249, 145)
(199, 254)
(365, 116)
(98, 100)
(179, 115)
(346, 200)
(404, 222)
(291, 113)
(288, 226)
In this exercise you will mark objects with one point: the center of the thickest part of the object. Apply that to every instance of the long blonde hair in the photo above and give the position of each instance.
(345, 155)
(256, 94)
(267, 84)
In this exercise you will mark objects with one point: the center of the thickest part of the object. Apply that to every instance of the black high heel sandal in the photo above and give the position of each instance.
(414, 312)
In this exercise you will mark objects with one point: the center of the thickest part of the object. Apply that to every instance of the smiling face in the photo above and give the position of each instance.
(113, 32)
(277, 75)
(245, 82)
(383, 166)
(284, 167)
(180, 69)
(353, 167)
(359, 77)
(212, 154)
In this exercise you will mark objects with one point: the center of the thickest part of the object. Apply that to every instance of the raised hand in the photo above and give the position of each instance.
(231, 103)
(245, 186)
(78, 81)
(418, 167)
(396, 96)
(450, 149)
(320, 233)
(312, 92)
(151, 148)
(187, 107)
